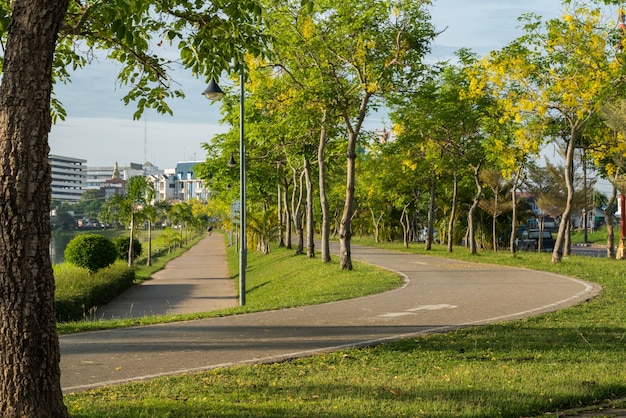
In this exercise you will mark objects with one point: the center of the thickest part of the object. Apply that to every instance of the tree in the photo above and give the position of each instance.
(564, 70)
(359, 50)
(443, 120)
(34, 57)
(495, 206)
(29, 349)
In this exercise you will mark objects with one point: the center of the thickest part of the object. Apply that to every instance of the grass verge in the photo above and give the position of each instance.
(551, 362)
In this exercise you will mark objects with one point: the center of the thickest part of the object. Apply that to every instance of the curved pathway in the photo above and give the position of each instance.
(438, 295)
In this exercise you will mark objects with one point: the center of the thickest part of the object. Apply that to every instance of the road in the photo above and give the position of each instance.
(438, 295)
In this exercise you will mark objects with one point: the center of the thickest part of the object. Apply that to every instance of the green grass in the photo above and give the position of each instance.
(566, 359)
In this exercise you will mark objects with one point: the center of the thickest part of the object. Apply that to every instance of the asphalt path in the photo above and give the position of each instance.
(438, 295)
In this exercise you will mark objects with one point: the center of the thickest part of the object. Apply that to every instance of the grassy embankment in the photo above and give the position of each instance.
(550, 362)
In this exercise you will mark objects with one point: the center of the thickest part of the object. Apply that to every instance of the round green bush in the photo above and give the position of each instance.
(121, 245)
(90, 251)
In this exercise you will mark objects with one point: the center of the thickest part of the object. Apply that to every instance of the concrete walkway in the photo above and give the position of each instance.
(196, 282)
(438, 295)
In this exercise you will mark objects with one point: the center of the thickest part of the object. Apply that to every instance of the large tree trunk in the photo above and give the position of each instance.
(321, 162)
(559, 245)
(29, 348)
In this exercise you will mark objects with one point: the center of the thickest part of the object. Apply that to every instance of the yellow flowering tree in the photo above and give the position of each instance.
(559, 72)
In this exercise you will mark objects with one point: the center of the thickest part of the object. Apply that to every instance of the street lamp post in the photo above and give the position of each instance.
(213, 92)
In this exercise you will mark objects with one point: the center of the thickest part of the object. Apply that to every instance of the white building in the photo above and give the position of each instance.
(188, 186)
(98, 176)
(68, 177)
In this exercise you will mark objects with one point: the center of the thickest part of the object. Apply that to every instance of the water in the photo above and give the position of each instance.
(57, 247)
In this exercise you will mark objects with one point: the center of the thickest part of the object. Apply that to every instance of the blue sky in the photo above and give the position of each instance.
(100, 129)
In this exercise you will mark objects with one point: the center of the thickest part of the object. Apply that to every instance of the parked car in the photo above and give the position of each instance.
(529, 240)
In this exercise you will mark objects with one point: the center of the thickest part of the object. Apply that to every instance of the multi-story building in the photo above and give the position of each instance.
(97, 176)
(187, 185)
(177, 184)
(68, 177)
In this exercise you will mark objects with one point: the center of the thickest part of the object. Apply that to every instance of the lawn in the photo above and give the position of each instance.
(525, 367)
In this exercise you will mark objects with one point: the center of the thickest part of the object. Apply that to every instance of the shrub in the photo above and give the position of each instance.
(78, 295)
(90, 251)
(121, 246)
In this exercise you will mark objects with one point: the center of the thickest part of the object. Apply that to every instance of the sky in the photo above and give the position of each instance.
(101, 130)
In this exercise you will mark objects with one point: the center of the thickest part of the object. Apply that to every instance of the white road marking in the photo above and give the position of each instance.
(419, 308)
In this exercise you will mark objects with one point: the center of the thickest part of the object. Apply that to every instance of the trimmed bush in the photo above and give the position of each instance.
(90, 251)
(121, 246)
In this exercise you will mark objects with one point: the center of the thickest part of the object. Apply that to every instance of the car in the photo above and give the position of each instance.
(529, 240)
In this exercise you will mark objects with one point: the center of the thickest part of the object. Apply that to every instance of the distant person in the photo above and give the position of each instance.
(209, 230)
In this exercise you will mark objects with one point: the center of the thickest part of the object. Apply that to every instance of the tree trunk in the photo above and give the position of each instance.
(288, 222)
(608, 215)
(325, 228)
(470, 216)
(494, 223)
(405, 221)
(376, 223)
(149, 243)
(514, 211)
(296, 210)
(281, 229)
(557, 253)
(131, 252)
(455, 191)
(345, 225)
(310, 222)
(29, 347)
(431, 214)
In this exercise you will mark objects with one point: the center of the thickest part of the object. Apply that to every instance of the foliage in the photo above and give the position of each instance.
(141, 36)
(265, 228)
(78, 293)
(121, 246)
(90, 251)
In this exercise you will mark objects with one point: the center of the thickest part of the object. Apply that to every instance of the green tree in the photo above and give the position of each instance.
(359, 50)
(140, 194)
(35, 57)
(564, 70)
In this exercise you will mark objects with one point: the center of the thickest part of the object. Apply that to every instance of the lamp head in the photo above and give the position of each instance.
(232, 162)
(213, 91)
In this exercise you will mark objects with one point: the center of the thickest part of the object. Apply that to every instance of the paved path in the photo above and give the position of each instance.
(438, 295)
(196, 282)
